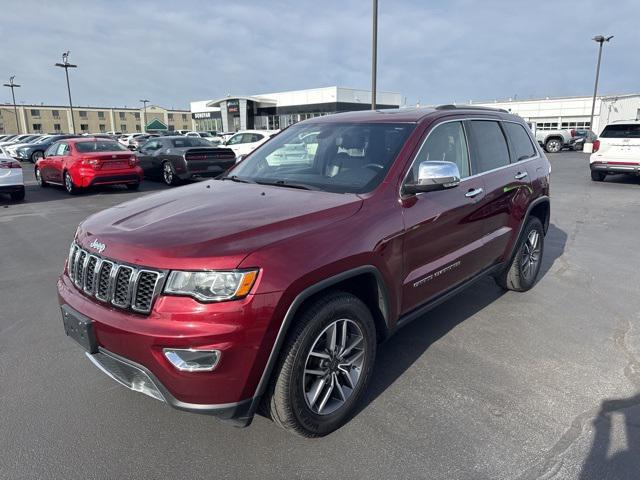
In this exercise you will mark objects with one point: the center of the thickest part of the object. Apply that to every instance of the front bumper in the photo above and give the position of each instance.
(238, 329)
(616, 167)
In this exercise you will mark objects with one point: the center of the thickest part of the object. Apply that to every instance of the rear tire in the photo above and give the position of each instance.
(35, 156)
(522, 272)
(168, 174)
(598, 176)
(39, 179)
(316, 386)
(553, 145)
(69, 185)
(17, 196)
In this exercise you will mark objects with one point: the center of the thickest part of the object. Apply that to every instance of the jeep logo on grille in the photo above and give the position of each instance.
(98, 246)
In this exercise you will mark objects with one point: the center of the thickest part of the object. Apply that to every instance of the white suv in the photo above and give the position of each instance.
(11, 180)
(616, 151)
(246, 141)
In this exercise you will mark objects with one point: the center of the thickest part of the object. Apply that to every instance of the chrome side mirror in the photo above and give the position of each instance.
(434, 175)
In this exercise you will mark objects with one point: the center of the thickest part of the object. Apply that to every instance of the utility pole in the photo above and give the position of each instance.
(599, 39)
(66, 65)
(144, 115)
(374, 54)
(12, 85)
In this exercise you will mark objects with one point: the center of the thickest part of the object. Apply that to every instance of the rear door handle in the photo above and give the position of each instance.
(520, 175)
(473, 193)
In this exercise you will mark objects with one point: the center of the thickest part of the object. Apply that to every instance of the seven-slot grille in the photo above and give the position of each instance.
(124, 286)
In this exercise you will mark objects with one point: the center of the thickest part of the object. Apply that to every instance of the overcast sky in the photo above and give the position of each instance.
(432, 51)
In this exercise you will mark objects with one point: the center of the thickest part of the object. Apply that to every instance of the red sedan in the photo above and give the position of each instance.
(78, 163)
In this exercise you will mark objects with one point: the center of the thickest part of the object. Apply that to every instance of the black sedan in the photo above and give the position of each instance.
(174, 159)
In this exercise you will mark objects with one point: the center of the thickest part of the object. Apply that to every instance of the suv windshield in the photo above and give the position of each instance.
(99, 146)
(335, 157)
(621, 131)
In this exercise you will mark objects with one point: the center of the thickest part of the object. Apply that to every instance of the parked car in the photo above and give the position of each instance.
(582, 137)
(616, 151)
(273, 286)
(125, 139)
(78, 163)
(13, 148)
(554, 141)
(18, 139)
(181, 132)
(245, 141)
(179, 158)
(35, 151)
(11, 179)
(136, 142)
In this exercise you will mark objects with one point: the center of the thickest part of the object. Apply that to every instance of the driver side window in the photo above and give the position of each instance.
(446, 143)
(63, 149)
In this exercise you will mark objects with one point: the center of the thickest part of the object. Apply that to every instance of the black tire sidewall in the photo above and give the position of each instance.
(532, 223)
(356, 311)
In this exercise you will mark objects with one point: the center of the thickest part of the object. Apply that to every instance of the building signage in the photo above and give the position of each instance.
(202, 115)
(233, 106)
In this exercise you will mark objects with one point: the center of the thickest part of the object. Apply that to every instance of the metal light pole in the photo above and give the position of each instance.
(66, 65)
(12, 85)
(374, 54)
(599, 39)
(144, 115)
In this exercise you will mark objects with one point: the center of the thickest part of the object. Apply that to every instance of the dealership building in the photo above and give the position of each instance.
(271, 111)
(572, 112)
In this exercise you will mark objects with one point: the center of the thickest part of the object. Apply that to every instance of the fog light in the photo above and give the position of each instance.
(191, 360)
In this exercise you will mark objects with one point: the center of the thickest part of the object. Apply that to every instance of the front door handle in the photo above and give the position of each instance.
(520, 175)
(473, 192)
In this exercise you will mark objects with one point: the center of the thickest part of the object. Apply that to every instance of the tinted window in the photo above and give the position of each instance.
(253, 137)
(190, 142)
(445, 143)
(236, 139)
(99, 146)
(520, 141)
(621, 131)
(491, 146)
(335, 157)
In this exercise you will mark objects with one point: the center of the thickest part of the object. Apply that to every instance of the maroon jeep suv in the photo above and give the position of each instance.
(270, 288)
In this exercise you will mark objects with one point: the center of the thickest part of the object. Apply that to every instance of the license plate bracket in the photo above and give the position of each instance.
(80, 328)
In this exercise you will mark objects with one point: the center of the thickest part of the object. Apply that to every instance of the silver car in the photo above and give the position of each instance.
(11, 180)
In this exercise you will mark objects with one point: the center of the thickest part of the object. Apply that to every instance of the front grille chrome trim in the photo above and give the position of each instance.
(138, 297)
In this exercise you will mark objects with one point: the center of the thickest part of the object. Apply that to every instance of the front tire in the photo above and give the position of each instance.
(522, 272)
(69, 185)
(598, 176)
(35, 156)
(39, 178)
(324, 367)
(553, 145)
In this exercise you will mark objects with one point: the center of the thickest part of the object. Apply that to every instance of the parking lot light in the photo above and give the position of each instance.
(144, 115)
(599, 39)
(66, 65)
(12, 85)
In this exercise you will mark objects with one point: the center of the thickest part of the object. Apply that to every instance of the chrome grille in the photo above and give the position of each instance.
(124, 286)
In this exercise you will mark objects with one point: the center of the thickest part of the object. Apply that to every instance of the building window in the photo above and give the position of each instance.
(84, 127)
(35, 113)
(184, 118)
(172, 128)
(100, 115)
(37, 127)
(185, 127)
(55, 113)
(137, 115)
(137, 127)
(170, 116)
(83, 113)
(123, 127)
(56, 127)
(102, 127)
(121, 115)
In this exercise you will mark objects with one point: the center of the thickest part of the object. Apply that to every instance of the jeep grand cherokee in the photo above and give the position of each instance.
(273, 286)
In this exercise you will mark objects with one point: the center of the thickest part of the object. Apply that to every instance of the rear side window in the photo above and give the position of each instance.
(621, 131)
(490, 144)
(520, 141)
(447, 143)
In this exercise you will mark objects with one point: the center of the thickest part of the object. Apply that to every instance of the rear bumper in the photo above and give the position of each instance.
(616, 167)
(11, 188)
(87, 177)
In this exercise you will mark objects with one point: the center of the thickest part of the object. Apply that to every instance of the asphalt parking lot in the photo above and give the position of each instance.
(490, 385)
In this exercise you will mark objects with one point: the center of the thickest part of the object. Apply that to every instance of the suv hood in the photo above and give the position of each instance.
(212, 224)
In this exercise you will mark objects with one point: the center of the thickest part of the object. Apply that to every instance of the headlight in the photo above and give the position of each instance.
(212, 286)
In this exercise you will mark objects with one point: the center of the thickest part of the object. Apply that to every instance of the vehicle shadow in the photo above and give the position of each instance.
(624, 464)
(623, 179)
(398, 353)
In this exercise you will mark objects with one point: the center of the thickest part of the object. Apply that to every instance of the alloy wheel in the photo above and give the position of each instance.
(531, 255)
(333, 366)
(167, 173)
(554, 146)
(68, 182)
(38, 177)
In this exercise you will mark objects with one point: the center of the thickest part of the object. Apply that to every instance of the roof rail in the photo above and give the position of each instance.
(469, 107)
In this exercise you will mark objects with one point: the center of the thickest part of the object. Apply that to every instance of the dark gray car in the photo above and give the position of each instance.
(173, 159)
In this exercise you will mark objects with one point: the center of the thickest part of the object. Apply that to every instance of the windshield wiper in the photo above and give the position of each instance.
(235, 178)
(282, 183)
